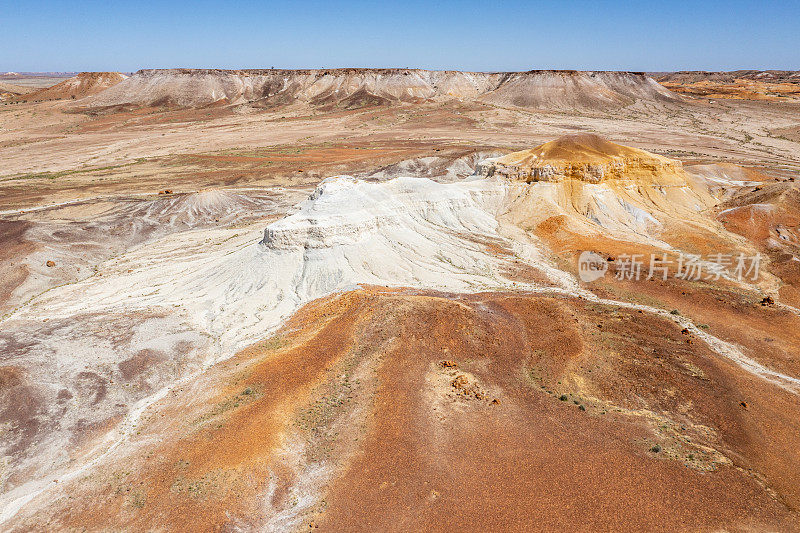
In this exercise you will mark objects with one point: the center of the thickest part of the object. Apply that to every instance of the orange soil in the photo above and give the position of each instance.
(768, 217)
(534, 462)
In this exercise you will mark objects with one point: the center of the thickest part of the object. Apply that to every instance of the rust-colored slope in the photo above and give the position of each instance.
(437, 461)
(80, 86)
(393, 410)
(768, 217)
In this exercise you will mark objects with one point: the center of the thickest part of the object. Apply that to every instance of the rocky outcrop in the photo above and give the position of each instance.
(567, 90)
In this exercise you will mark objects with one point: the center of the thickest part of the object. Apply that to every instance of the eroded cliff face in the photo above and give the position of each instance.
(584, 157)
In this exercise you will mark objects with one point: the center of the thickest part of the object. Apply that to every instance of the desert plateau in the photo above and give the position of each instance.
(397, 299)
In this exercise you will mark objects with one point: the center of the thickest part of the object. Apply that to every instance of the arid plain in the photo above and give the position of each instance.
(351, 299)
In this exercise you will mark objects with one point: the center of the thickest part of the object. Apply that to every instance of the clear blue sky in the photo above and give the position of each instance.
(469, 35)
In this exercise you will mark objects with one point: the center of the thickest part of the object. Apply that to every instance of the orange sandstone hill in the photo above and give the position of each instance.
(586, 157)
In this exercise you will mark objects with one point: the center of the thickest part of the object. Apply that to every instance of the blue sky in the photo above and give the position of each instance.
(467, 35)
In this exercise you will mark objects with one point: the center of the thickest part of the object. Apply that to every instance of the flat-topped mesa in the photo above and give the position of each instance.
(354, 88)
(585, 157)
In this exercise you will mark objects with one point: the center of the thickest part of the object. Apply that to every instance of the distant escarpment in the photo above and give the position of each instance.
(354, 88)
(770, 85)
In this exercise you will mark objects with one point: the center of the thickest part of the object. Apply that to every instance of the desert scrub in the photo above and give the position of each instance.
(246, 396)
(137, 499)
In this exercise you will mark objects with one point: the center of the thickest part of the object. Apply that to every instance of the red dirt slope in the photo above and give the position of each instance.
(80, 86)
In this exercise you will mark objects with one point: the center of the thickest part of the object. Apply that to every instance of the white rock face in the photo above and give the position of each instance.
(407, 231)
(345, 211)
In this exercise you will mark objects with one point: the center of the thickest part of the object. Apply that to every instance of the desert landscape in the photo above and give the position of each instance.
(362, 299)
